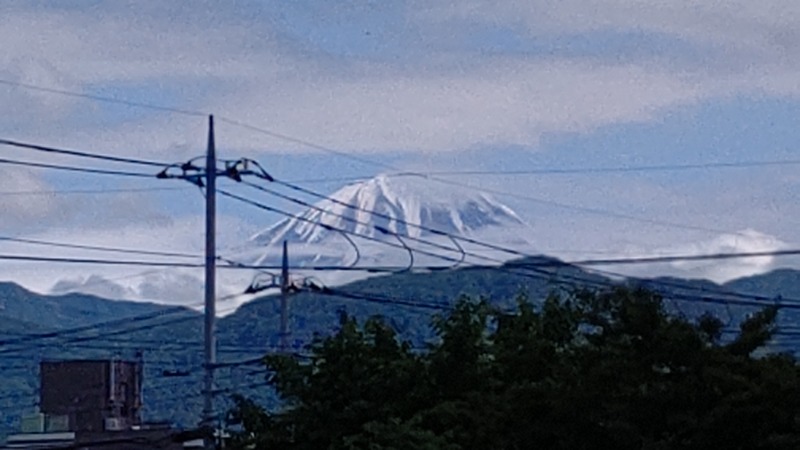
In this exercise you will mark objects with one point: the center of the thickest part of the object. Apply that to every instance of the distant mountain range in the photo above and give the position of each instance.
(387, 221)
(171, 338)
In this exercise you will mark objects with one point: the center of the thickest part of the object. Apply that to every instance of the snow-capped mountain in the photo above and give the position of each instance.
(392, 203)
(365, 211)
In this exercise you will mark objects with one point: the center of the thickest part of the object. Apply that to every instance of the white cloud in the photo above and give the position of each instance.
(717, 270)
(746, 241)
(764, 26)
(184, 235)
(447, 98)
(18, 209)
(94, 285)
(738, 45)
(507, 102)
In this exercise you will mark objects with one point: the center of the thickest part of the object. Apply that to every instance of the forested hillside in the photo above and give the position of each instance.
(170, 339)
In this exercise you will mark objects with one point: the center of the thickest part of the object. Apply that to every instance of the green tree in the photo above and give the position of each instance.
(609, 370)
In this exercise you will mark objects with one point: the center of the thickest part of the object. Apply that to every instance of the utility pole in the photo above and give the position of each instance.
(206, 177)
(285, 287)
(210, 288)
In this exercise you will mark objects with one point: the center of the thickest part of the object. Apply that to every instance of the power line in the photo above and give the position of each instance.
(104, 99)
(585, 262)
(75, 169)
(605, 170)
(569, 170)
(81, 154)
(453, 238)
(95, 326)
(55, 192)
(194, 113)
(309, 144)
(236, 266)
(583, 209)
(97, 261)
(96, 247)
(681, 258)
(30, 339)
(373, 298)
(293, 139)
(332, 179)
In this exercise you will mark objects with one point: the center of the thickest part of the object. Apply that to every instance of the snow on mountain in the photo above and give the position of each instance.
(364, 209)
(396, 201)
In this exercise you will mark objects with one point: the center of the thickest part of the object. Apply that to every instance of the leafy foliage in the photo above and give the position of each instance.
(610, 370)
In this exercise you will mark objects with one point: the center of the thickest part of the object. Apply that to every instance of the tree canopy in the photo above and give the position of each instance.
(608, 370)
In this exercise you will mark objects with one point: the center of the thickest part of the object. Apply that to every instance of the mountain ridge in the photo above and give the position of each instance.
(66, 310)
(252, 330)
(391, 203)
(381, 219)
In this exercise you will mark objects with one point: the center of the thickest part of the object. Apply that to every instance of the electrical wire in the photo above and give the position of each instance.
(623, 169)
(90, 191)
(671, 258)
(81, 154)
(343, 154)
(191, 315)
(96, 261)
(98, 248)
(100, 98)
(383, 230)
(309, 144)
(385, 300)
(583, 209)
(95, 326)
(93, 171)
(570, 170)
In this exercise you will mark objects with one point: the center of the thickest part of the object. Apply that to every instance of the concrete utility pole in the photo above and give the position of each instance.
(210, 292)
(285, 286)
(206, 177)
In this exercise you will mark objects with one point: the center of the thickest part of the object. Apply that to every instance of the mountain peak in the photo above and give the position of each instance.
(392, 202)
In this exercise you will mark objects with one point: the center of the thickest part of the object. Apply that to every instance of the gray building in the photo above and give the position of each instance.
(93, 404)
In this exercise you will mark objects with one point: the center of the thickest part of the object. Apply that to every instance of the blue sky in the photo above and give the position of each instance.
(423, 86)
